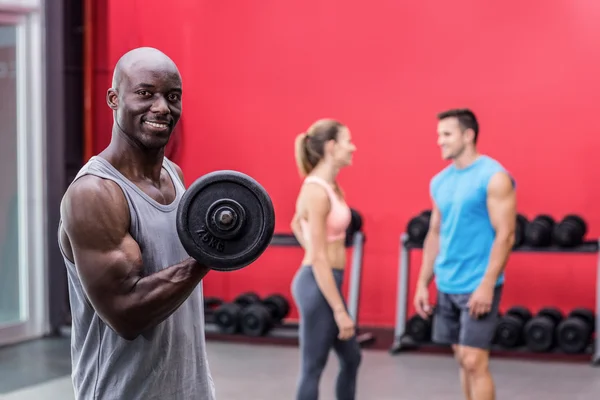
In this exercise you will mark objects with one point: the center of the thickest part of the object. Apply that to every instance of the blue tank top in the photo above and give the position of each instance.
(466, 232)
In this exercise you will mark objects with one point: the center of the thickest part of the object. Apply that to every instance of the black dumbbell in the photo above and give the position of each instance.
(228, 316)
(418, 226)
(259, 318)
(510, 328)
(278, 306)
(419, 329)
(540, 331)
(356, 224)
(246, 299)
(570, 231)
(520, 228)
(538, 232)
(575, 332)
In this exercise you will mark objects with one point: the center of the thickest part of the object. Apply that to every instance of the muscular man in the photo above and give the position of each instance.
(471, 234)
(135, 294)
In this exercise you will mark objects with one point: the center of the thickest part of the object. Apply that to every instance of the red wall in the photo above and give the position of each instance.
(258, 73)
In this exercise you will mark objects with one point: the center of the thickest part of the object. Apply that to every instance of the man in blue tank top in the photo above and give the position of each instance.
(470, 237)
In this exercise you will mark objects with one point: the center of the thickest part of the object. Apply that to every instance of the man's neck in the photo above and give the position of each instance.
(467, 158)
(133, 160)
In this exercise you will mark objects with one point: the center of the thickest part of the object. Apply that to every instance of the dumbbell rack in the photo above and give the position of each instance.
(402, 341)
(290, 331)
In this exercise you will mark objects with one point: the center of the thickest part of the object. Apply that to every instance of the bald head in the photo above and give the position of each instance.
(140, 60)
(146, 96)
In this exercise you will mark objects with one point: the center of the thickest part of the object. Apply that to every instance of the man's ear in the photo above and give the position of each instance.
(112, 99)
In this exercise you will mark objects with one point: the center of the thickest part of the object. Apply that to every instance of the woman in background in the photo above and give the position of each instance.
(319, 224)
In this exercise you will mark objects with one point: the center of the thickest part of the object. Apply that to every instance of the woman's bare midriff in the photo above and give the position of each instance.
(336, 255)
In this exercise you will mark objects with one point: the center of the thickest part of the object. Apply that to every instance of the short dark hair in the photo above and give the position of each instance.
(466, 119)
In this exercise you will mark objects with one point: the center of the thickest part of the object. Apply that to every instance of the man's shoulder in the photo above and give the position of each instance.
(92, 193)
(441, 174)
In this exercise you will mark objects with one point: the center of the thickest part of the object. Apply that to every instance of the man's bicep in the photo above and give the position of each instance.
(435, 219)
(502, 202)
(107, 258)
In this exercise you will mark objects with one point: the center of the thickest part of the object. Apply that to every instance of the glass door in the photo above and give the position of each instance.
(23, 313)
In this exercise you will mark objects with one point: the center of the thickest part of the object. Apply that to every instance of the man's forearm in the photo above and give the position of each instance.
(501, 249)
(157, 296)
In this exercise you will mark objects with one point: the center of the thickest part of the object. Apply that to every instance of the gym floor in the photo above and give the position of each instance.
(40, 369)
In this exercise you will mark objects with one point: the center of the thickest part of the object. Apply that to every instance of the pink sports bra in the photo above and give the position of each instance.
(339, 216)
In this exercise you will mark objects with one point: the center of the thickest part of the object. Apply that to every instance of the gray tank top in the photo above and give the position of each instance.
(167, 362)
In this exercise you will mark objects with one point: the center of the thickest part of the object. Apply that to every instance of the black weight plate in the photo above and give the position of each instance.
(426, 213)
(227, 318)
(509, 331)
(225, 220)
(586, 314)
(553, 313)
(539, 334)
(255, 320)
(573, 335)
(246, 299)
(278, 306)
(578, 220)
(419, 329)
(520, 230)
(521, 312)
(417, 228)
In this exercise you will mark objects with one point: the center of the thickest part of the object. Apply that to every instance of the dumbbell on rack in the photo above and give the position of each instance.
(520, 229)
(510, 328)
(259, 318)
(540, 331)
(418, 226)
(570, 231)
(227, 316)
(575, 332)
(538, 232)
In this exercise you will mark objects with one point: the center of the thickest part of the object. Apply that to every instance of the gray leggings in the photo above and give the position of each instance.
(318, 335)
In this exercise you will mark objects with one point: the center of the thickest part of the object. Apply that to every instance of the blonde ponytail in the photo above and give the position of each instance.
(301, 152)
(310, 146)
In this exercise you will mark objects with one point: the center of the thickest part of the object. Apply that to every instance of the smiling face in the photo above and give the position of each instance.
(146, 97)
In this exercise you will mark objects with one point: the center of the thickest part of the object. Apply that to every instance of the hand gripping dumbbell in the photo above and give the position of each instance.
(419, 329)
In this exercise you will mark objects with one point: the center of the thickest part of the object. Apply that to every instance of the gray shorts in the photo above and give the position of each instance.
(452, 323)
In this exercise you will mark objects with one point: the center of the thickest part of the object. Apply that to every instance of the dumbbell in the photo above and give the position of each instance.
(356, 223)
(509, 331)
(575, 332)
(259, 318)
(228, 316)
(520, 228)
(225, 220)
(418, 226)
(538, 232)
(540, 331)
(419, 329)
(570, 231)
